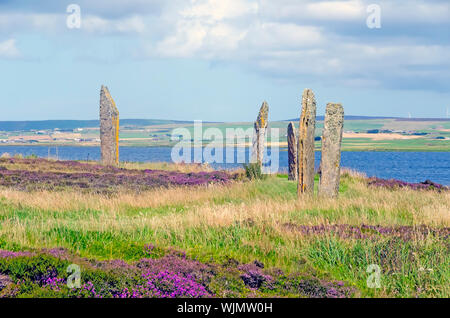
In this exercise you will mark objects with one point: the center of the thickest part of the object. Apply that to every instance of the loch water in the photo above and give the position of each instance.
(406, 166)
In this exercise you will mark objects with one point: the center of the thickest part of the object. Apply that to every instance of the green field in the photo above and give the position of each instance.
(154, 133)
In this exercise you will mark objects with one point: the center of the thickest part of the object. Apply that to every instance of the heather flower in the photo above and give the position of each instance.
(9, 254)
(393, 184)
(165, 284)
(87, 290)
(60, 253)
(54, 283)
(168, 284)
(102, 179)
(189, 268)
(149, 249)
(253, 277)
(315, 288)
(172, 276)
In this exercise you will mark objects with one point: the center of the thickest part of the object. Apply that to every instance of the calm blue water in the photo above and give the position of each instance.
(407, 166)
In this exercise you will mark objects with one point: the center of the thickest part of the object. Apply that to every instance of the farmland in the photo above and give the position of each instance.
(360, 134)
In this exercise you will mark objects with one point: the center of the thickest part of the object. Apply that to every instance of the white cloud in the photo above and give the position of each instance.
(413, 12)
(416, 12)
(265, 37)
(54, 23)
(228, 29)
(327, 40)
(207, 29)
(363, 64)
(8, 49)
(10, 22)
(217, 10)
(301, 10)
(95, 24)
(336, 10)
(195, 39)
(283, 36)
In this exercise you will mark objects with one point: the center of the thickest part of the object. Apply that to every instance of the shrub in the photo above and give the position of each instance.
(253, 171)
(253, 276)
(36, 269)
(170, 285)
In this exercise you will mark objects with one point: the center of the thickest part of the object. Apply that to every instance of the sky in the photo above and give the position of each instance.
(218, 60)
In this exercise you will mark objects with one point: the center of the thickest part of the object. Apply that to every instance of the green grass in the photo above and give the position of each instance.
(408, 268)
(245, 222)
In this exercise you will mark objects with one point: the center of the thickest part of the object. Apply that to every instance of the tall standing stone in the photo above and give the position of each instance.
(261, 124)
(305, 151)
(109, 128)
(331, 151)
(292, 151)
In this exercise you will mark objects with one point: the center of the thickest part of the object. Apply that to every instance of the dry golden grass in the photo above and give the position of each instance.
(73, 200)
(218, 206)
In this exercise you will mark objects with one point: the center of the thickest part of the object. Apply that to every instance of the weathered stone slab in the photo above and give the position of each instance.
(261, 124)
(305, 152)
(109, 128)
(292, 151)
(331, 151)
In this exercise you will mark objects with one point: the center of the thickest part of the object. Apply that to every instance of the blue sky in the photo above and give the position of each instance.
(217, 60)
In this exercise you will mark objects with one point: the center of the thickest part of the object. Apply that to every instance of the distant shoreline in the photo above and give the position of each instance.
(282, 147)
(26, 125)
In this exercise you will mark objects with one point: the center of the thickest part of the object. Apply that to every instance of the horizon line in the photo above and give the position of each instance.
(238, 121)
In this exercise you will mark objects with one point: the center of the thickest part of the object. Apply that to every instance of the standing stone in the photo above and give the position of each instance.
(305, 152)
(331, 151)
(292, 151)
(109, 128)
(261, 124)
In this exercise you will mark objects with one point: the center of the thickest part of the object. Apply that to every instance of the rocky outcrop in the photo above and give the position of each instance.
(109, 128)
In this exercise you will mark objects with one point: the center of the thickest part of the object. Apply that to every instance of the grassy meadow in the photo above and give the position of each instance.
(305, 247)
